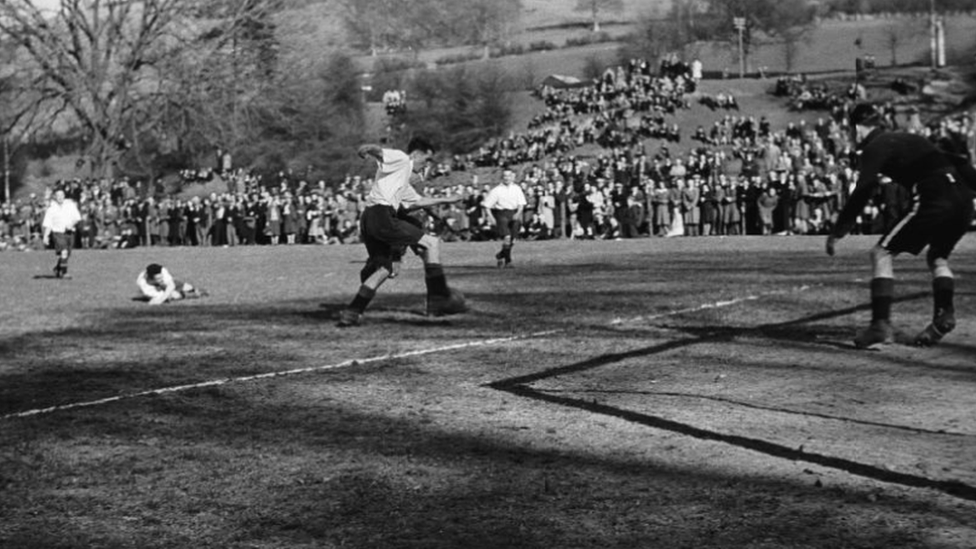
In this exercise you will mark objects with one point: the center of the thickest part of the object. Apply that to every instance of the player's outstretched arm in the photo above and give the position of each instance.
(370, 150)
(426, 201)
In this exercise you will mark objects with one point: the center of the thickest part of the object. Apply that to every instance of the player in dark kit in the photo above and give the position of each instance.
(941, 213)
(386, 232)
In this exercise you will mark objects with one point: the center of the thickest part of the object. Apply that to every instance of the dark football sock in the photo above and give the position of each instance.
(436, 282)
(362, 299)
(507, 253)
(882, 294)
(943, 288)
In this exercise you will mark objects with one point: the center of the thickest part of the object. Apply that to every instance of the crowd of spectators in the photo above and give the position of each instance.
(742, 177)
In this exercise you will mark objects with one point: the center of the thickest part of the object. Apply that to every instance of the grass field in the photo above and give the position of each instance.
(650, 393)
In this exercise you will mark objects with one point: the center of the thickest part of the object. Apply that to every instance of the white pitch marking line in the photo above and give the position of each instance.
(706, 306)
(216, 382)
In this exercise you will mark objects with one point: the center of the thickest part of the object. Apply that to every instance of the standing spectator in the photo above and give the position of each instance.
(289, 220)
(731, 213)
(301, 221)
(660, 208)
(801, 208)
(195, 233)
(547, 207)
(766, 204)
(111, 219)
(710, 198)
(59, 223)
(631, 218)
(690, 207)
(273, 223)
(584, 212)
(174, 214)
(675, 193)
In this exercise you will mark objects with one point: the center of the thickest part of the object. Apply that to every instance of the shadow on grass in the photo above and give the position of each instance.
(791, 333)
(237, 470)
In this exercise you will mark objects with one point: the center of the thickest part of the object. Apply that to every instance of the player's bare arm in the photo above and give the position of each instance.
(426, 201)
(371, 150)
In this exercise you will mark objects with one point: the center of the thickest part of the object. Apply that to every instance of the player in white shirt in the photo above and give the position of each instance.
(506, 201)
(59, 223)
(385, 233)
(158, 286)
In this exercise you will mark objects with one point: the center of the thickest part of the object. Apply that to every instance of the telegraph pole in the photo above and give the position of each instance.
(936, 37)
(6, 168)
(740, 26)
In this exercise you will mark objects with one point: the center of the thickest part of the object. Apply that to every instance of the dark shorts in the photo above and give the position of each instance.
(506, 223)
(939, 218)
(62, 242)
(383, 232)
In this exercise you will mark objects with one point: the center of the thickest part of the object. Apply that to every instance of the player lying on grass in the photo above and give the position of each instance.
(386, 234)
(158, 286)
(941, 213)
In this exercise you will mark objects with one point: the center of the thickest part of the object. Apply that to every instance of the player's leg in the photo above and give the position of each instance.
(379, 232)
(514, 226)
(397, 252)
(378, 268)
(882, 295)
(62, 248)
(441, 299)
(503, 221)
(943, 290)
(910, 235)
(939, 223)
(943, 242)
(189, 291)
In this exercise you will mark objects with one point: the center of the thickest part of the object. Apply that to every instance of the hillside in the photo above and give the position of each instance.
(311, 33)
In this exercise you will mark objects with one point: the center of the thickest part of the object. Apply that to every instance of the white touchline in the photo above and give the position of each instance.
(312, 369)
(715, 305)
(381, 358)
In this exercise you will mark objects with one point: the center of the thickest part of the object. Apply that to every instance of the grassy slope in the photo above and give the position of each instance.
(314, 31)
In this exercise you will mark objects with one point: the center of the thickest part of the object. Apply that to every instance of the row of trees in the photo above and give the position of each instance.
(145, 87)
(148, 87)
(788, 22)
(864, 7)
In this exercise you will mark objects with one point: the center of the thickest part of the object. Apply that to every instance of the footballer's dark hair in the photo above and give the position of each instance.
(153, 269)
(420, 144)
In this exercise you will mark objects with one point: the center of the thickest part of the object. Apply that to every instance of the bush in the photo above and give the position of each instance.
(457, 58)
(508, 49)
(542, 45)
(589, 38)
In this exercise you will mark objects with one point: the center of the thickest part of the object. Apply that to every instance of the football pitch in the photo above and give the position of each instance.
(684, 392)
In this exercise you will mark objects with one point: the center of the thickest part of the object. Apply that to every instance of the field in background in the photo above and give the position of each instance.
(313, 33)
(648, 393)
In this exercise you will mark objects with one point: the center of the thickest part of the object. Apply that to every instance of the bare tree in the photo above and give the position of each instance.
(486, 22)
(104, 68)
(788, 21)
(597, 7)
(371, 23)
(91, 63)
